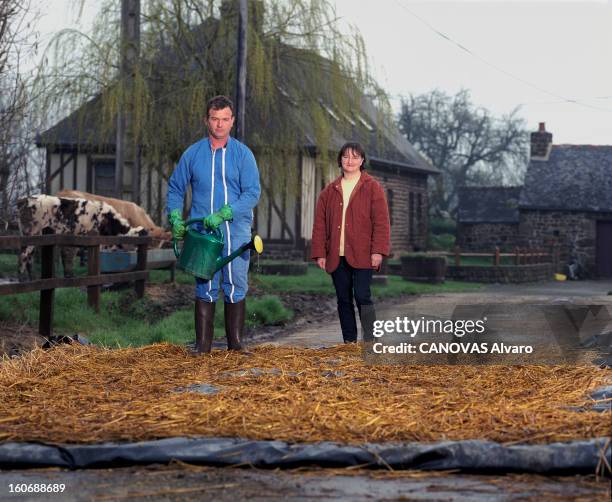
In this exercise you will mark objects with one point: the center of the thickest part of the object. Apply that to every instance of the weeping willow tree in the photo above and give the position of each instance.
(306, 77)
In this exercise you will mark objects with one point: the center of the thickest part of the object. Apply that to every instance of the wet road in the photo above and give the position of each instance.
(328, 333)
(184, 482)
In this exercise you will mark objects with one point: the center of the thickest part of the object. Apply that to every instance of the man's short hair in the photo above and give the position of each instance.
(219, 103)
(354, 147)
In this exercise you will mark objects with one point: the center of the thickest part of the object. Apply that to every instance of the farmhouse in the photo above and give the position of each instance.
(81, 156)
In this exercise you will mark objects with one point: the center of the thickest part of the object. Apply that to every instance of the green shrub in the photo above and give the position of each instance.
(127, 321)
(441, 242)
(438, 226)
(267, 310)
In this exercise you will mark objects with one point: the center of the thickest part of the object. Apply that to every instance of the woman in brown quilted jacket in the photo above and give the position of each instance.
(350, 237)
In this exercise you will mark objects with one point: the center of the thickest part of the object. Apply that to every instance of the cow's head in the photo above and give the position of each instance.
(111, 222)
(160, 233)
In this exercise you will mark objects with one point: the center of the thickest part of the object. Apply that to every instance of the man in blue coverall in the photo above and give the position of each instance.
(225, 188)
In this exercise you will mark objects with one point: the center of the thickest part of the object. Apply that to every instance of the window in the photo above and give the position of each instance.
(104, 177)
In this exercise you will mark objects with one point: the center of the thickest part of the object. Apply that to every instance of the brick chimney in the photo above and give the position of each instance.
(541, 143)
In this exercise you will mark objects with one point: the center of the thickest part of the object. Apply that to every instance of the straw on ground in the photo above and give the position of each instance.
(85, 394)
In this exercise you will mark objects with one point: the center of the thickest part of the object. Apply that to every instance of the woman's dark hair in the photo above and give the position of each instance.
(219, 103)
(355, 147)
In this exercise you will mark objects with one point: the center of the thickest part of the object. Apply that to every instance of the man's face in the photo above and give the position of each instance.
(220, 123)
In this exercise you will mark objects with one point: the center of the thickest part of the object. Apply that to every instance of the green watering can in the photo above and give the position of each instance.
(201, 253)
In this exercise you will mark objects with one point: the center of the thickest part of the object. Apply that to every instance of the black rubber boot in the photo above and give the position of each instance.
(367, 315)
(204, 326)
(234, 314)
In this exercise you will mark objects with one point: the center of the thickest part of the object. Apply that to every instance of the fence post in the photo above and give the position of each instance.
(93, 268)
(517, 256)
(47, 296)
(457, 256)
(497, 257)
(141, 264)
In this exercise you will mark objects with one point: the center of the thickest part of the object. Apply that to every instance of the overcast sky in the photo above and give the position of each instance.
(539, 55)
(532, 54)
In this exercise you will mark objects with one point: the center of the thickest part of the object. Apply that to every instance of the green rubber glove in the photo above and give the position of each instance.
(212, 221)
(178, 225)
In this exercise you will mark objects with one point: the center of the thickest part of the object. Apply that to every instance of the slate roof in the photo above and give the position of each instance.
(80, 128)
(494, 204)
(389, 148)
(574, 178)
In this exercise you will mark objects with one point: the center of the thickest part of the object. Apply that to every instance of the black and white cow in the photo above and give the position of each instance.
(45, 214)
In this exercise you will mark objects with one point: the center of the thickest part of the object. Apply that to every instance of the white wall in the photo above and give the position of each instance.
(309, 195)
(55, 183)
(82, 172)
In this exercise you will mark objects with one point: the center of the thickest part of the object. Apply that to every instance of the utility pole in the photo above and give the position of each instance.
(129, 53)
(242, 70)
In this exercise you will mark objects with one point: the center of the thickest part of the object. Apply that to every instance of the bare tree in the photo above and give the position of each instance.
(16, 131)
(466, 143)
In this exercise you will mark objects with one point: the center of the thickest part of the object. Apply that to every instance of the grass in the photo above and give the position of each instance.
(8, 264)
(9, 261)
(125, 321)
(317, 281)
(397, 286)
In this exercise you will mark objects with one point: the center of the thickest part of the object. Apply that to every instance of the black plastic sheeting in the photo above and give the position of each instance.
(468, 456)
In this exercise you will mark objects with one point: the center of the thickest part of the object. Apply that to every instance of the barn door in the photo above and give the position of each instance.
(604, 249)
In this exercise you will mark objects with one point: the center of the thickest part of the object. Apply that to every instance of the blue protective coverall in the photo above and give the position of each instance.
(227, 175)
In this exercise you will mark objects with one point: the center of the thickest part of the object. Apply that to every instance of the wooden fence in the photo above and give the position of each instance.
(521, 256)
(48, 282)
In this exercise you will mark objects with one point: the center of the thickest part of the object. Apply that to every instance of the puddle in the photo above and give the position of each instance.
(201, 388)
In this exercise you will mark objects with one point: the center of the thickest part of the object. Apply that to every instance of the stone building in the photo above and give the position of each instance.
(566, 200)
(488, 217)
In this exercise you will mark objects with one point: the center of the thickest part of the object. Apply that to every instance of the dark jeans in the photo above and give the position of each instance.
(351, 283)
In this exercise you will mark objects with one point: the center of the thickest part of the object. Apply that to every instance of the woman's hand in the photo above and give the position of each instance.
(376, 260)
(321, 262)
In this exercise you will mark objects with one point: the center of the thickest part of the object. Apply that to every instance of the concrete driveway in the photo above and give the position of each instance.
(555, 288)
(327, 333)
